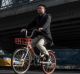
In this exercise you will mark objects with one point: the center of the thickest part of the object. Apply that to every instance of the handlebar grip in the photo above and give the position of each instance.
(23, 30)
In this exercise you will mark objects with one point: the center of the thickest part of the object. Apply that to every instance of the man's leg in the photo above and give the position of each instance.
(40, 45)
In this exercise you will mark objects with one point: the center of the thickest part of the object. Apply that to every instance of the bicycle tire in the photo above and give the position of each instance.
(53, 66)
(27, 66)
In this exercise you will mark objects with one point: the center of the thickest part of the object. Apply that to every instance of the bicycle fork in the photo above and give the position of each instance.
(23, 57)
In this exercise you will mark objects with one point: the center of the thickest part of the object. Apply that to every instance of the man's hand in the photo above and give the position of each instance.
(40, 29)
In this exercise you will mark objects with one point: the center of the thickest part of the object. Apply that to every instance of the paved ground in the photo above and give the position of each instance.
(39, 72)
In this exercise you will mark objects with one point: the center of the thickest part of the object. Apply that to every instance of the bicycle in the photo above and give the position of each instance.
(22, 57)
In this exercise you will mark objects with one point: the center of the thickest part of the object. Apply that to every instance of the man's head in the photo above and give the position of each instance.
(41, 9)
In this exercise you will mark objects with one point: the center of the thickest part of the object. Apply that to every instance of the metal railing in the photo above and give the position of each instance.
(4, 4)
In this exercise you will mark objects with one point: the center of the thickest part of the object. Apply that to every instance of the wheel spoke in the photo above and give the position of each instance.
(21, 65)
(49, 68)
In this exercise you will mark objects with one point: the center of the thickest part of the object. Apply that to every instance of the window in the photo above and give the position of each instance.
(6, 3)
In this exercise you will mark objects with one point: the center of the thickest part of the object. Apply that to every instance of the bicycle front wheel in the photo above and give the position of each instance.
(21, 61)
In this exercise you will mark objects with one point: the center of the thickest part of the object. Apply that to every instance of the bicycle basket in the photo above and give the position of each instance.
(23, 41)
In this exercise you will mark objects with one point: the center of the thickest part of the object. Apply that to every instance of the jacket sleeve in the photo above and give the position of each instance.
(47, 22)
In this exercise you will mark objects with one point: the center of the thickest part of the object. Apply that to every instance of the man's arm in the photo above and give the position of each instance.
(46, 23)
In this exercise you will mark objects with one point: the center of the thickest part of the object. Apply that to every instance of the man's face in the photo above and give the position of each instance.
(41, 10)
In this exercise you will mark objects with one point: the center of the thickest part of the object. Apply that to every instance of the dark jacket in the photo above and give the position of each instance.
(44, 22)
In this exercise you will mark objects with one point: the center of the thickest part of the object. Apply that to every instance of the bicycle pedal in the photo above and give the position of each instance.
(43, 62)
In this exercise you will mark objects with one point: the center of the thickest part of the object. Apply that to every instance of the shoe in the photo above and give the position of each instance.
(44, 57)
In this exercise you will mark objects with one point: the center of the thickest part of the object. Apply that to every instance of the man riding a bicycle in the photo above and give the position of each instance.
(40, 36)
(43, 34)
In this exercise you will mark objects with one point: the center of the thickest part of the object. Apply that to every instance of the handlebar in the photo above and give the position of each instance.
(25, 30)
(33, 32)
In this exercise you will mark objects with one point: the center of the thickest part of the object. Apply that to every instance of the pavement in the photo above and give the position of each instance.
(39, 72)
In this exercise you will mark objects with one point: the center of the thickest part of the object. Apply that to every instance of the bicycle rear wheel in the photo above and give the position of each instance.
(19, 64)
(49, 68)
